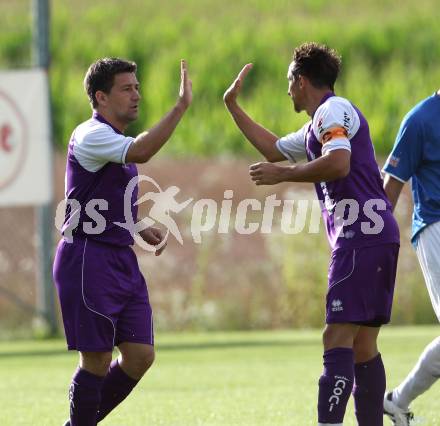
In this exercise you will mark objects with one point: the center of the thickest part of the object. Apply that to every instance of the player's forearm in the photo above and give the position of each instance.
(323, 169)
(262, 139)
(392, 188)
(148, 143)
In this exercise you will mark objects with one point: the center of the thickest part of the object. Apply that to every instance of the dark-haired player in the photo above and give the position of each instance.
(362, 232)
(102, 293)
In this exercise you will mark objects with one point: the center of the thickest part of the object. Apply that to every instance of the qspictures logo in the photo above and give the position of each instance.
(13, 140)
(207, 215)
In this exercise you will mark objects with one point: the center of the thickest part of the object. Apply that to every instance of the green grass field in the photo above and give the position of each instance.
(252, 378)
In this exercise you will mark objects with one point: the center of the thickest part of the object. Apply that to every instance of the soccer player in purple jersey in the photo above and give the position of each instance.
(341, 163)
(103, 295)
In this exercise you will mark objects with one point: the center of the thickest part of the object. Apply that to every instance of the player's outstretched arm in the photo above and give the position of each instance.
(151, 141)
(262, 139)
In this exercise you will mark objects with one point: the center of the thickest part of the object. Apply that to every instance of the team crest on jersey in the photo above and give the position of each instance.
(337, 306)
(394, 161)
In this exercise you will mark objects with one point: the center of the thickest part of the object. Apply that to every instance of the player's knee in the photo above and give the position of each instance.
(148, 359)
(328, 337)
(337, 336)
(96, 362)
(364, 351)
(139, 362)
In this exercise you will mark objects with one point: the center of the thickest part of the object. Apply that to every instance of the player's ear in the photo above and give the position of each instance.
(101, 97)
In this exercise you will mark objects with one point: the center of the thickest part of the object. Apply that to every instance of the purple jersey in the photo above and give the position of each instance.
(96, 170)
(355, 209)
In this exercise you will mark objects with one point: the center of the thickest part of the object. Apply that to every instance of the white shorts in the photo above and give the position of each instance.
(428, 249)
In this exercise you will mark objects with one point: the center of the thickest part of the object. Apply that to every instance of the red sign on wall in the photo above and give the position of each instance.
(25, 145)
(13, 140)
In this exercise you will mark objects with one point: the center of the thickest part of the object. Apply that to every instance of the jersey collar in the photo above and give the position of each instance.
(328, 95)
(100, 118)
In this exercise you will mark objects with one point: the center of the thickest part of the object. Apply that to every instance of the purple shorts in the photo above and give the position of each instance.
(361, 285)
(103, 296)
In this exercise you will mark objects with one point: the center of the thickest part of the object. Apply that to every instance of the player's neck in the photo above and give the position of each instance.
(110, 118)
(315, 99)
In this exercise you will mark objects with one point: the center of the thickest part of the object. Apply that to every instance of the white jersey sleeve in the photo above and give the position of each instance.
(335, 123)
(293, 146)
(96, 144)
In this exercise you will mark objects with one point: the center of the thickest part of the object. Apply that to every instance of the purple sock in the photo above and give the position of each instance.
(117, 385)
(84, 396)
(335, 385)
(368, 391)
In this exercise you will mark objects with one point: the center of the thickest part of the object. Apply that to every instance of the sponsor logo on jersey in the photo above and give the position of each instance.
(320, 128)
(337, 306)
(346, 120)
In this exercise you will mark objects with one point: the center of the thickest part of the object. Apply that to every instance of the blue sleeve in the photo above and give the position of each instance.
(407, 152)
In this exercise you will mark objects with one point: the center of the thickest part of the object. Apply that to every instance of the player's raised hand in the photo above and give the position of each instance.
(232, 92)
(185, 92)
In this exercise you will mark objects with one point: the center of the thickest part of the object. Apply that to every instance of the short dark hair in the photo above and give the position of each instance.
(318, 63)
(100, 75)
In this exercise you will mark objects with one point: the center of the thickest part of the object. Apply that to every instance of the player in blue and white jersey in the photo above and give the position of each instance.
(416, 156)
